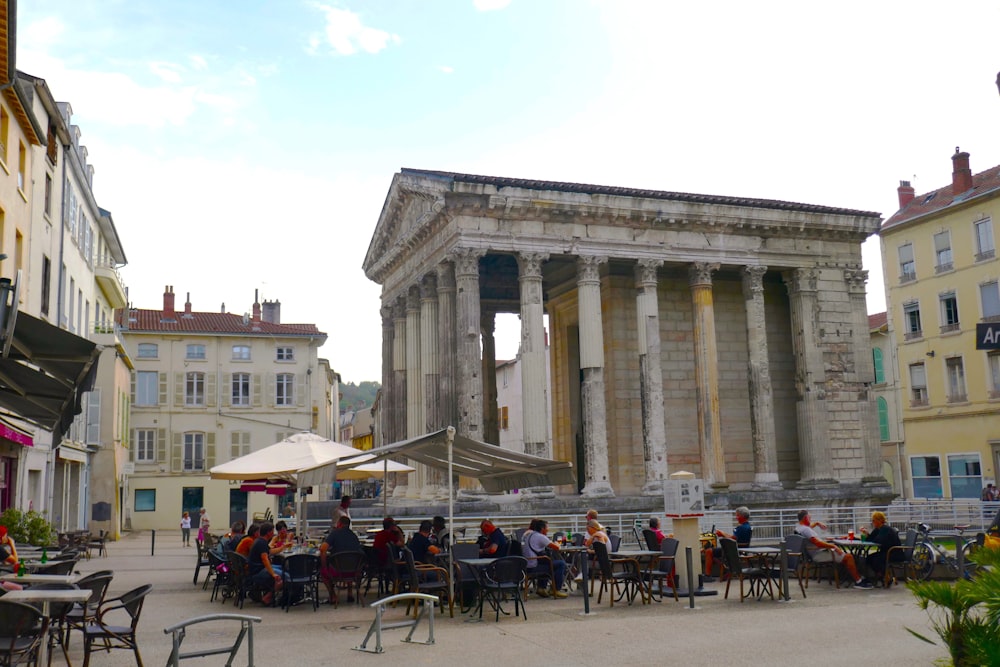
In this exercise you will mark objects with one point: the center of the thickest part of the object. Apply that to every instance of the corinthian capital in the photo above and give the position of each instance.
(856, 280)
(753, 279)
(588, 268)
(529, 264)
(645, 272)
(466, 260)
(801, 280)
(428, 287)
(446, 277)
(700, 273)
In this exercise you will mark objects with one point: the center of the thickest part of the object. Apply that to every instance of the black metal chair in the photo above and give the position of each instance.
(737, 568)
(628, 579)
(813, 566)
(204, 547)
(242, 586)
(649, 537)
(222, 587)
(80, 615)
(503, 577)
(794, 547)
(466, 581)
(664, 572)
(22, 630)
(616, 542)
(544, 569)
(347, 570)
(99, 544)
(57, 567)
(900, 558)
(300, 576)
(115, 636)
(430, 579)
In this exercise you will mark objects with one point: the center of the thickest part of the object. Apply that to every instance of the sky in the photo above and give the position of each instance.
(247, 145)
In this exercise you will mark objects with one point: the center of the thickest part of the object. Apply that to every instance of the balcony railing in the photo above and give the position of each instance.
(919, 402)
(958, 398)
(942, 268)
(986, 254)
(913, 335)
(907, 278)
(111, 283)
(948, 328)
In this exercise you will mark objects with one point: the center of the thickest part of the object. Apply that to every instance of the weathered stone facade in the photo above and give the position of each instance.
(719, 335)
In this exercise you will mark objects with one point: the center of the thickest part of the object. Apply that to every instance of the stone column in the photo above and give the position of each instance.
(533, 364)
(594, 417)
(399, 384)
(706, 374)
(816, 468)
(765, 450)
(448, 410)
(415, 412)
(469, 368)
(864, 374)
(654, 429)
(491, 423)
(429, 357)
(387, 401)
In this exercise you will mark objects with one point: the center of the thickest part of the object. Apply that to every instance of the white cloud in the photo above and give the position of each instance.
(346, 34)
(198, 62)
(447, 69)
(490, 5)
(168, 72)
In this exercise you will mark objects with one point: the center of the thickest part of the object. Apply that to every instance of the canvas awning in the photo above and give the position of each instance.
(282, 460)
(497, 469)
(44, 373)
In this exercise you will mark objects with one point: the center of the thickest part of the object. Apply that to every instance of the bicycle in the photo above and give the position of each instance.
(927, 553)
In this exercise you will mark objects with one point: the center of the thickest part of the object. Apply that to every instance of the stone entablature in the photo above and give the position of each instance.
(718, 334)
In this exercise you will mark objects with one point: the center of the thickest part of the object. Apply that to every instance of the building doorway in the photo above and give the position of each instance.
(238, 506)
(192, 500)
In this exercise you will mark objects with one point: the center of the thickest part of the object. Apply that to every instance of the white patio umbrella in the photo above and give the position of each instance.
(358, 468)
(283, 461)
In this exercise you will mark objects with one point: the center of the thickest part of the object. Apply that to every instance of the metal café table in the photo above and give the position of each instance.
(42, 578)
(584, 572)
(477, 565)
(46, 597)
(647, 556)
(765, 558)
(859, 549)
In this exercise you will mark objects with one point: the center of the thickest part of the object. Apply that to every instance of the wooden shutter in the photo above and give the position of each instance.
(227, 389)
(132, 390)
(209, 450)
(300, 389)
(161, 445)
(210, 390)
(272, 389)
(178, 390)
(177, 453)
(234, 445)
(163, 389)
(256, 385)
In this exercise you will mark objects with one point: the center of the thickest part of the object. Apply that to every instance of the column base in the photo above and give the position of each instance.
(537, 493)
(400, 491)
(874, 481)
(766, 481)
(471, 496)
(601, 489)
(432, 492)
(826, 483)
(653, 488)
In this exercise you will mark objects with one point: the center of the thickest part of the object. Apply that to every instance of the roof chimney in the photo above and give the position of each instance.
(168, 302)
(961, 175)
(187, 304)
(256, 306)
(905, 192)
(271, 311)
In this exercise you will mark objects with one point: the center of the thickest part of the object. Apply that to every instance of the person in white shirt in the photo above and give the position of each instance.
(822, 552)
(535, 543)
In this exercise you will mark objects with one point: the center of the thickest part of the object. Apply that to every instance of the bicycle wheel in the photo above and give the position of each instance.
(970, 568)
(922, 564)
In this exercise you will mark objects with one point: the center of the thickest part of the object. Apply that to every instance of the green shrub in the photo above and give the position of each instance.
(28, 527)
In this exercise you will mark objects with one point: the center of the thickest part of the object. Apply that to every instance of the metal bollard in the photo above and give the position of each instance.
(152, 544)
(690, 573)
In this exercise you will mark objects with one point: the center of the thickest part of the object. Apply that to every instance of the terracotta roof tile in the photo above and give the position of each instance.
(212, 323)
(878, 320)
(983, 183)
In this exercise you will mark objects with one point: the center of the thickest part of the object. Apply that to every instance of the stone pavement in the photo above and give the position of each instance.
(845, 626)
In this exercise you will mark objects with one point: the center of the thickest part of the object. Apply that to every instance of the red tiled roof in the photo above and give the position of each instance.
(878, 320)
(212, 323)
(983, 183)
(501, 182)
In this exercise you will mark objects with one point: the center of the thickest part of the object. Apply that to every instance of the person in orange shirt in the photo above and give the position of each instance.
(243, 548)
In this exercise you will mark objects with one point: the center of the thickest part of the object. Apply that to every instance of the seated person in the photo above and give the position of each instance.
(439, 533)
(494, 542)
(243, 548)
(535, 542)
(885, 536)
(231, 540)
(742, 534)
(338, 540)
(824, 552)
(8, 554)
(390, 534)
(595, 533)
(654, 525)
(282, 540)
(261, 572)
(420, 543)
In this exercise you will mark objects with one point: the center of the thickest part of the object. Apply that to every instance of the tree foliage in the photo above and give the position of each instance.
(28, 527)
(358, 396)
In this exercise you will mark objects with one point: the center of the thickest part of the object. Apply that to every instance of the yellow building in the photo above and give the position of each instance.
(209, 387)
(942, 279)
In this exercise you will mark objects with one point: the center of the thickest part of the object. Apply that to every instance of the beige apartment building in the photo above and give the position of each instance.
(212, 386)
(942, 279)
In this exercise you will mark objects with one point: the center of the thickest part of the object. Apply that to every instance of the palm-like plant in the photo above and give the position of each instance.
(966, 614)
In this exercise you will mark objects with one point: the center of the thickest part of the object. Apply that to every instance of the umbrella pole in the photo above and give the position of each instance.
(385, 480)
(451, 513)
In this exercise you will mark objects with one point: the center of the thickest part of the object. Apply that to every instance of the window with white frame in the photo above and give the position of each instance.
(241, 389)
(194, 452)
(241, 353)
(285, 389)
(194, 388)
(984, 240)
(965, 475)
(925, 471)
(989, 295)
(942, 252)
(285, 354)
(912, 328)
(907, 267)
(949, 312)
(145, 445)
(993, 361)
(146, 388)
(956, 379)
(918, 385)
(148, 351)
(195, 351)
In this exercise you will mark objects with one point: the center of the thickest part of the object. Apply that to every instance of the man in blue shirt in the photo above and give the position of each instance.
(742, 534)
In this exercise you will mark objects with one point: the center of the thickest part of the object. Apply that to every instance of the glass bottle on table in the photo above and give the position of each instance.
(21, 568)
(45, 555)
